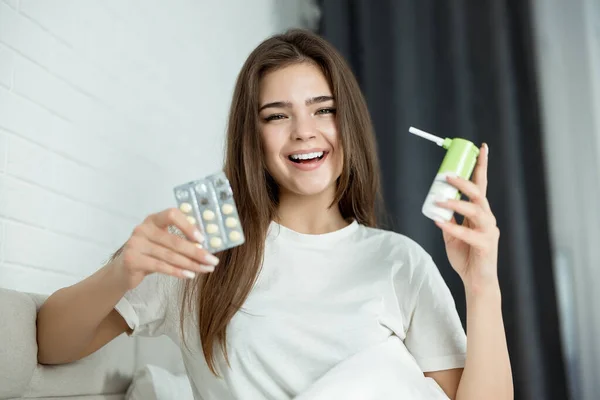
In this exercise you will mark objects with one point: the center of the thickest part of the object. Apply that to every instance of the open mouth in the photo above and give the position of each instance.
(307, 158)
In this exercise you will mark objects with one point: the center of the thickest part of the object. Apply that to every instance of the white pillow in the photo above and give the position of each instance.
(155, 383)
(381, 372)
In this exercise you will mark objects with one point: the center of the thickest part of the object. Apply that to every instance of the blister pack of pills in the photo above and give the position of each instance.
(208, 203)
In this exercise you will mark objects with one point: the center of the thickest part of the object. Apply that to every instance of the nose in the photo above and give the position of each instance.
(304, 128)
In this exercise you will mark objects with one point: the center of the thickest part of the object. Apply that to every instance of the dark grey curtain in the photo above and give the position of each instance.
(462, 68)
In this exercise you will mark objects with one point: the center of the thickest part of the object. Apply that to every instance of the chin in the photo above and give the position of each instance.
(312, 187)
(311, 191)
(312, 183)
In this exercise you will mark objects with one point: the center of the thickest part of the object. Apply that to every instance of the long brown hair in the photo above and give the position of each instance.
(219, 295)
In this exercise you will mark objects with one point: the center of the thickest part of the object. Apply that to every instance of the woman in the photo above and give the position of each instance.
(315, 285)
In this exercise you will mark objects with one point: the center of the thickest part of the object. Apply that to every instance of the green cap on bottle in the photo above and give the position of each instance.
(461, 155)
(460, 158)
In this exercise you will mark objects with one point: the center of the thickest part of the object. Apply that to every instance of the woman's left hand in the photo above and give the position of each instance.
(472, 247)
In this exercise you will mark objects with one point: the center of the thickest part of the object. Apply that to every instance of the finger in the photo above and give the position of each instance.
(179, 246)
(174, 216)
(156, 265)
(470, 189)
(448, 238)
(473, 212)
(467, 235)
(176, 259)
(454, 221)
(480, 173)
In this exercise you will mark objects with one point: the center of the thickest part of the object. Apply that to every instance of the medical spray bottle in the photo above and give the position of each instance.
(460, 160)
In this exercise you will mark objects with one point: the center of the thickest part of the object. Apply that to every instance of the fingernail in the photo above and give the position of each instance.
(198, 236)
(212, 260)
(188, 274)
(487, 150)
(207, 268)
(198, 245)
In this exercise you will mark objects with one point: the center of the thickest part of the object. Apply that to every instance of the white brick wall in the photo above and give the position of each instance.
(105, 105)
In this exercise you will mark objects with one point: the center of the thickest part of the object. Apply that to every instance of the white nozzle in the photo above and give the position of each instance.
(437, 140)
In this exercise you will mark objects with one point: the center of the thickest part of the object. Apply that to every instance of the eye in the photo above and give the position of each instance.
(326, 111)
(274, 117)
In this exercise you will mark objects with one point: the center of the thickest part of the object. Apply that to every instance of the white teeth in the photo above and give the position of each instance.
(306, 156)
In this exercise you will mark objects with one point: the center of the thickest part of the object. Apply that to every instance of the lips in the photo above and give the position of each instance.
(307, 157)
(308, 164)
(303, 152)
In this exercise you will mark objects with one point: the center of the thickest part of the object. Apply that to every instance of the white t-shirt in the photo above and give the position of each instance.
(318, 301)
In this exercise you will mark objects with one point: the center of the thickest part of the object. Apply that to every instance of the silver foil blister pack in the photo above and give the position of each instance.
(208, 203)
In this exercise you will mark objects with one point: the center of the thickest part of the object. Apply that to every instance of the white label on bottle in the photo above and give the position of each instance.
(440, 190)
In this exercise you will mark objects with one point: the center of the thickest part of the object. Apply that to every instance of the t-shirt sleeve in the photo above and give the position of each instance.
(150, 308)
(435, 336)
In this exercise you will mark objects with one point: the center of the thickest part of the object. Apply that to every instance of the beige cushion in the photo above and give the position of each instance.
(91, 397)
(155, 383)
(18, 346)
(159, 351)
(108, 371)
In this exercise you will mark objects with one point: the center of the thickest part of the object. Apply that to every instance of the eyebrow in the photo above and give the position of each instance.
(288, 104)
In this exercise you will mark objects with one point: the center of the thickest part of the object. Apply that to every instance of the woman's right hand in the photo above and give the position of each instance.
(152, 248)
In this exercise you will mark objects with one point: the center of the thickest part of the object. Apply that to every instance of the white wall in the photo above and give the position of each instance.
(105, 105)
(568, 40)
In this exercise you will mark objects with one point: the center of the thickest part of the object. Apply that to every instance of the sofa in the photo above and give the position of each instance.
(105, 375)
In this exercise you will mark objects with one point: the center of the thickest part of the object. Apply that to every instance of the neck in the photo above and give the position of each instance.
(310, 214)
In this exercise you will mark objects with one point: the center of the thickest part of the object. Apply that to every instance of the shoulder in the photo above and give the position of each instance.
(407, 262)
(396, 245)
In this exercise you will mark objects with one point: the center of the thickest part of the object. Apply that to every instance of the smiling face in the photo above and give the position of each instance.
(299, 131)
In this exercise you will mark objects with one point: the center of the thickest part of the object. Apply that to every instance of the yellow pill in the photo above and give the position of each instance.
(185, 207)
(234, 236)
(231, 222)
(227, 209)
(212, 228)
(216, 242)
(208, 215)
(191, 220)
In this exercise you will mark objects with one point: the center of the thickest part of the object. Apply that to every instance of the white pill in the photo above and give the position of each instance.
(234, 236)
(231, 222)
(208, 215)
(227, 209)
(185, 207)
(212, 228)
(191, 220)
(215, 242)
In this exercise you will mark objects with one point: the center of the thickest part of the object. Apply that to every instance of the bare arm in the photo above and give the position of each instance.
(448, 380)
(472, 250)
(487, 371)
(78, 320)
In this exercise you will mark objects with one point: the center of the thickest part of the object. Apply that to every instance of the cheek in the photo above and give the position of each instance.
(332, 136)
(272, 144)
(327, 125)
(267, 138)
(340, 161)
